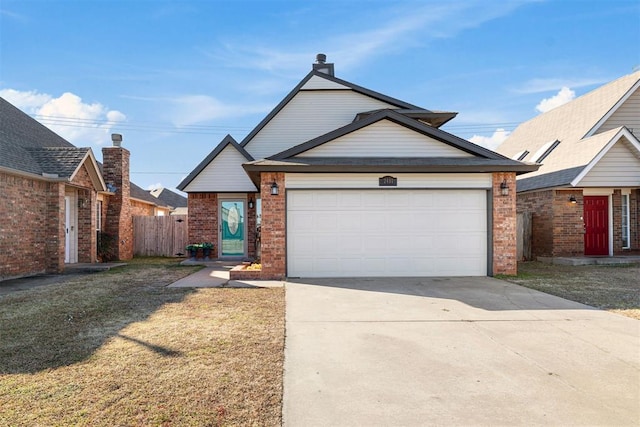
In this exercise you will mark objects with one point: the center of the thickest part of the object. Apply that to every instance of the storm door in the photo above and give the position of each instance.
(232, 228)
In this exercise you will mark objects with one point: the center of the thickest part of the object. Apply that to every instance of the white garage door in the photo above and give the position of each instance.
(373, 233)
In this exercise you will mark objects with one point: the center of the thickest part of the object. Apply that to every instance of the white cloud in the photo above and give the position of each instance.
(563, 96)
(191, 109)
(491, 142)
(549, 84)
(74, 120)
(394, 29)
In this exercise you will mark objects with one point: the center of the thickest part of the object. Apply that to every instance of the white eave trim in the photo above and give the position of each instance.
(31, 175)
(623, 132)
(613, 109)
(96, 176)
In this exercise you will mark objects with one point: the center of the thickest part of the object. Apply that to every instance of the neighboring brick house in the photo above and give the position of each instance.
(176, 202)
(350, 182)
(585, 197)
(55, 200)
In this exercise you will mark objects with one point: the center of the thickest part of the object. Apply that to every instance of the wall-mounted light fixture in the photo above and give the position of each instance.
(274, 189)
(504, 188)
(251, 202)
(572, 199)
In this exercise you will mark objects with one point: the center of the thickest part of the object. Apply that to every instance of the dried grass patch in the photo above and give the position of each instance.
(120, 348)
(614, 288)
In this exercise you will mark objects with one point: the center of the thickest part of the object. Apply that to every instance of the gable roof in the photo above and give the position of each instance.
(169, 197)
(400, 119)
(227, 140)
(441, 116)
(481, 160)
(575, 125)
(136, 192)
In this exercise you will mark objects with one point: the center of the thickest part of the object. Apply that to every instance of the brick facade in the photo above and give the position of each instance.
(203, 219)
(558, 226)
(504, 224)
(119, 222)
(273, 244)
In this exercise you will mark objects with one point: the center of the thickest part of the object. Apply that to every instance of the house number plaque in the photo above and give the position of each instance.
(388, 181)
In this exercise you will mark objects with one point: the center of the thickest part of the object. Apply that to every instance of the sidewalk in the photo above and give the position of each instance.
(216, 275)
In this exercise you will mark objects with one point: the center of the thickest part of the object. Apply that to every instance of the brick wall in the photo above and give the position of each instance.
(568, 225)
(141, 209)
(203, 219)
(119, 222)
(54, 235)
(634, 225)
(273, 244)
(23, 227)
(504, 225)
(539, 204)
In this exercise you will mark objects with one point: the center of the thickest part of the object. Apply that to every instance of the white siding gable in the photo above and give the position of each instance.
(619, 167)
(385, 139)
(628, 114)
(223, 174)
(316, 83)
(308, 115)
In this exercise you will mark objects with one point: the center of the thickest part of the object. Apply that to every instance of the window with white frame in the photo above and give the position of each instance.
(626, 239)
(99, 216)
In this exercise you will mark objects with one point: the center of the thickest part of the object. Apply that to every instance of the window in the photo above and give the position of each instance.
(99, 216)
(544, 151)
(626, 240)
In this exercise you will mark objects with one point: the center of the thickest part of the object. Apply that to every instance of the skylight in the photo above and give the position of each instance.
(544, 151)
(521, 155)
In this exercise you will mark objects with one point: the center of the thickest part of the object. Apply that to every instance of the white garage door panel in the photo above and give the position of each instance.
(348, 233)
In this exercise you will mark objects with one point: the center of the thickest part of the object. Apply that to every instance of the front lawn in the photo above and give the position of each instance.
(610, 287)
(119, 348)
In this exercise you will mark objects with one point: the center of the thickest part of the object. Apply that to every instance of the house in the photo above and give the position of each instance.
(585, 197)
(57, 202)
(176, 202)
(351, 182)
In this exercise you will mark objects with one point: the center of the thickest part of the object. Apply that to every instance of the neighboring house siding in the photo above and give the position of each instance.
(26, 239)
(223, 174)
(619, 167)
(385, 139)
(371, 180)
(628, 114)
(308, 115)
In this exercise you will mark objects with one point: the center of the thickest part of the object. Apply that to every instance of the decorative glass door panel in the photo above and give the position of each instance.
(232, 224)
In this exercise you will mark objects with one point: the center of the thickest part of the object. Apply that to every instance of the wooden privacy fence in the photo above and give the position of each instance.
(523, 231)
(159, 235)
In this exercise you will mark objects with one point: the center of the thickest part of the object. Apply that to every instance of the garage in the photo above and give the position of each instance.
(386, 232)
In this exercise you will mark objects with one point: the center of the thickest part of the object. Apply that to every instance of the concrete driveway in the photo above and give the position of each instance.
(454, 351)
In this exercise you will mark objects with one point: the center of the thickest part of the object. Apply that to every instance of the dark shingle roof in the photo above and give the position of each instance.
(141, 194)
(20, 133)
(169, 197)
(61, 161)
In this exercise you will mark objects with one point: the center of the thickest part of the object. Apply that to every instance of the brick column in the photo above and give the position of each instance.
(119, 222)
(504, 225)
(273, 244)
(55, 232)
(251, 225)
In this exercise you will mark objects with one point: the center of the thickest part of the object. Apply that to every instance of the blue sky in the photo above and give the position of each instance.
(174, 77)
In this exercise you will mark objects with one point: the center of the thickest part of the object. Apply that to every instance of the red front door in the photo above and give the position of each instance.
(596, 223)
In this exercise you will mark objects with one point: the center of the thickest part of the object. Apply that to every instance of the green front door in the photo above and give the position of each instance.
(232, 228)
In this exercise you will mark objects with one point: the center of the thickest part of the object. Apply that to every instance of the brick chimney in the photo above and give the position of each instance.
(119, 222)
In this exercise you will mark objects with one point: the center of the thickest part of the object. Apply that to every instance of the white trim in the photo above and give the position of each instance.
(95, 176)
(371, 180)
(613, 109)
(625, 191)
(628, 214)
(597, 191)
(623, 132)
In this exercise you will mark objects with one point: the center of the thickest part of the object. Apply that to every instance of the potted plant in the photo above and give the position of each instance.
(206, 249)
(192, 250)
